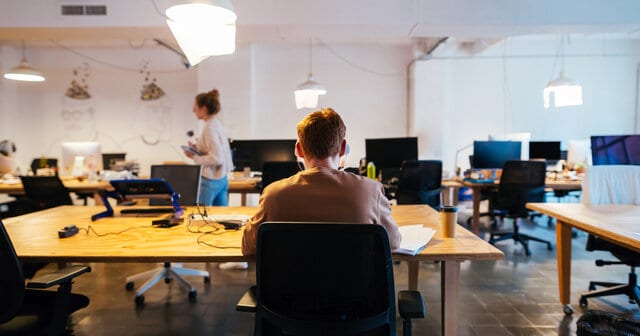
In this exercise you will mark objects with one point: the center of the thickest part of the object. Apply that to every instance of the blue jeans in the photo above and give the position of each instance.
(213, 192)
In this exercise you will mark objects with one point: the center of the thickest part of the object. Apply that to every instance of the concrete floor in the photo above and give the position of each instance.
(514, 296)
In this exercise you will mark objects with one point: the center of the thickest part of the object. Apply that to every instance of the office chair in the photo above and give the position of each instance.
(608, 184)
(185, 180)
(44, 192)
(276, 170)
(521, 182)
(326, 279)
(32, 310)
(44, 162)
(420, 182)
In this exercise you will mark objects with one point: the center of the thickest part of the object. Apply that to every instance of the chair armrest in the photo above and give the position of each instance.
(410, 304)
(248, 301)
(58, 277)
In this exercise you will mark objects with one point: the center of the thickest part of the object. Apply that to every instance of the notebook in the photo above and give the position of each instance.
(414, 239)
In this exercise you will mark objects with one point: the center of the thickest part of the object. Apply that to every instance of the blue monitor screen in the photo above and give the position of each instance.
(548, 150)
(493, 154)
(615, 149)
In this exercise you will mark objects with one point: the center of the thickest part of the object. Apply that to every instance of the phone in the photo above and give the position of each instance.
(191, 149)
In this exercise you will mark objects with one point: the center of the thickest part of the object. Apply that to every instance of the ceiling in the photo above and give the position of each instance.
(369, 21)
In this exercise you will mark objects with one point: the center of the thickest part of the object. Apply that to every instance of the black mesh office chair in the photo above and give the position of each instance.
(33, 310)
(420, 183)
(521, 182)
(276, 170)
(185, 180)
(44, 192)
(625, 257)
(326, 279)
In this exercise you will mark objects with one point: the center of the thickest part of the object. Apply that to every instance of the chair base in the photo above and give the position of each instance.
(518, 237)
(168, 273)
(629, 289)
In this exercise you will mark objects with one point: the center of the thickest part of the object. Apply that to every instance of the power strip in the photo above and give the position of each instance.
(228, 221)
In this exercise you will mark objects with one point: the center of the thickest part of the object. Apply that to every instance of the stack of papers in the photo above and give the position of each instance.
(414, 238)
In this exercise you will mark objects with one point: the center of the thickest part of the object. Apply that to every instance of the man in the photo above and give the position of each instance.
(321, 192)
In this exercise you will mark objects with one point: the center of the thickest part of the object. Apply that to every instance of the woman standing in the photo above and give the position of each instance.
(214, 151)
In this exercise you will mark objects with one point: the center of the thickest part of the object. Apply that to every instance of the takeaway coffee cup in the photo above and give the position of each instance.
(448, 219)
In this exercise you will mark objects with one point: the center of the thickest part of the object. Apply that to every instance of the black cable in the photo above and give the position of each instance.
(90, 228)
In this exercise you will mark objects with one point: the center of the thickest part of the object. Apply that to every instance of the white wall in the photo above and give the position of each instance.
(463, 98)
(256, 86)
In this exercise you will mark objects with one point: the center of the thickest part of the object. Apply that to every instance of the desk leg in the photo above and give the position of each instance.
(243, 199)
(475, 220)
(414, 269)
(563, 248)
(450, 287)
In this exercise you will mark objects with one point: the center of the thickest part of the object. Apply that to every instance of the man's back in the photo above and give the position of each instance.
(323, 195)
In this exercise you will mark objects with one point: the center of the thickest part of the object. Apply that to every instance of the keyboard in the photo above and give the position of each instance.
(147, 211)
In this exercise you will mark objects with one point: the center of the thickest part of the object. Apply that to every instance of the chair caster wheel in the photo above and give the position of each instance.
(167, 280)
(549, 248)
(192, 296)
(129, 286)
(568, 310)
(207, 280)
(140, 300)
(583, 302)
(592, 287)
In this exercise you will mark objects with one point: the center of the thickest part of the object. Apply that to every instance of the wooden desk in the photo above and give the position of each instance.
(619, 224)
(35, 239)
(478, 187)
(240, 186)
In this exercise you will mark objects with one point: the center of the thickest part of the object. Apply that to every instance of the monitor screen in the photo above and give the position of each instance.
(548, 150)
(253, 153)
(80, 158)
(615, 149)
(493, 154)
(389, 153)
(184, 179)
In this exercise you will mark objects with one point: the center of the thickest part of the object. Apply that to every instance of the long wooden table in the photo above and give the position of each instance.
(478, 187)
(619, 224)
(35, 239)
(238, 186)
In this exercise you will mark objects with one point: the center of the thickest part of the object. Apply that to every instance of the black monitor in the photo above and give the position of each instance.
(548, 150)
(389, 153)
(253, 153)
(615, 149)
(110, 158)
(493, 154)
(184, 179)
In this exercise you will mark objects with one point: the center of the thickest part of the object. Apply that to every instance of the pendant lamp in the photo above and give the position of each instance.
(24, 72)
(203, 28)
(562, 91)
(306, 94)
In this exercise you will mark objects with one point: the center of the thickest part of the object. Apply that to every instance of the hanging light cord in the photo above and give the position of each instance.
(357, 66)
(310, 59)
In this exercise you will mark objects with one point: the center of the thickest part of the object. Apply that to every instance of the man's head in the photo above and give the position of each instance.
(321, 134)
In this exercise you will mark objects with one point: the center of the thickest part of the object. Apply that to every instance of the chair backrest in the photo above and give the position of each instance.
(276, 170)
(107, 159)
(38, 163)
(329, 278)
(521, 182)
(11, 281)
(184, 179)
(46, 191)
(420, 182)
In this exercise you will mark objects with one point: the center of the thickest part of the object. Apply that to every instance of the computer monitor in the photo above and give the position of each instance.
(253, 153)
(110, 158)
(80, 158)
(548, 150)
(388, 153)
(184, 179)
(493, 154)
(615, 149)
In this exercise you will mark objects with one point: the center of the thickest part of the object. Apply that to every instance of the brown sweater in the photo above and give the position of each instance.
(322, 195)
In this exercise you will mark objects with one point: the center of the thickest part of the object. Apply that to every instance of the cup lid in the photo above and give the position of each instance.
(448, 208)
